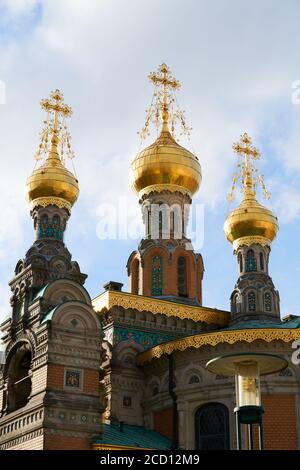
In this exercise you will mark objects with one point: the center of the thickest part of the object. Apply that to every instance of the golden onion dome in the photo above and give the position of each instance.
(165, 165)
(251, 223)
(53, 183)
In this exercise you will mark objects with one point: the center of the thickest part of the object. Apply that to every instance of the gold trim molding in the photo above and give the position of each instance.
(251, 240)
(48, 201)
(215, 338)
(159, 188)
(110, 299)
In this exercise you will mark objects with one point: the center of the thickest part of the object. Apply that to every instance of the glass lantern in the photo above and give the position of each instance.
(247, 384)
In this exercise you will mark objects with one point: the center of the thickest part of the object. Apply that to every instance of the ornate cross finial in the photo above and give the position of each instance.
(55, 132)
(164, 79)
(246, 170)
(161, 110)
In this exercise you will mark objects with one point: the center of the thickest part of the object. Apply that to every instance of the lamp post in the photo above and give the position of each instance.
(247, 369)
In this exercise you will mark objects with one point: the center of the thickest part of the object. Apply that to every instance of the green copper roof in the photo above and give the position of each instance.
(133, 436)
(40, 292)
(243, 325)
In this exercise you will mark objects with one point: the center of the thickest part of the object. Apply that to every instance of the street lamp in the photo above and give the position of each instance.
(247, 369)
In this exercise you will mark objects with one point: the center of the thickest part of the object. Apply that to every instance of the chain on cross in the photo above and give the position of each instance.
(164, 109)
(247, 172)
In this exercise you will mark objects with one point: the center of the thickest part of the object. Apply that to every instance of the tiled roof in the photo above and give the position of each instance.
(242, 325)
(132, 436)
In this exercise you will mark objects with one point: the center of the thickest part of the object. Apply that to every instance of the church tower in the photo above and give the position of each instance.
(165, 176)
(49, 384)
(251, 228)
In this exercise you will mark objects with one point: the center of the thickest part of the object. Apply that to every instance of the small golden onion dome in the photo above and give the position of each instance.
(251, 223)
(165, 165)
(52, 183)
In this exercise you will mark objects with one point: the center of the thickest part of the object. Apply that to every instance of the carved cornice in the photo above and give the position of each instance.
(215, 338)
(110, 299)
(251, 240)
(51, 201)
(159, 188)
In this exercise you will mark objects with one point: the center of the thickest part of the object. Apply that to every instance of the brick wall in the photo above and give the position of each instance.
(91, 382)
(66, 443)
(280, 425)
(163, 422)
(39, 379)
(279, 422)
(55, 379)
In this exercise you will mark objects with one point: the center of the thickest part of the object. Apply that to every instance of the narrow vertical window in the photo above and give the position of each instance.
(149, 223)
(268, 302)
(43, 226)
(172, 223)
(181, 277)
(251, 302)
(250, 264)
(157, 275)
(135, 276)
(56, 228)
(240, 261)
(160, 224)
(261, 261)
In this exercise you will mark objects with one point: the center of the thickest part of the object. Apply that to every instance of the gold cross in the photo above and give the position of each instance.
(246, 170)
(55, 130)
(244, 146)
(164, 78)
(55, 105)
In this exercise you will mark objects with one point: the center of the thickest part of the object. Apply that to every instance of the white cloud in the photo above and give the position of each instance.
(19, 7)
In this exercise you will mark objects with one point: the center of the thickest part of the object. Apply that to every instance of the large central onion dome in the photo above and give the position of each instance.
(165, 165)
(52, 182)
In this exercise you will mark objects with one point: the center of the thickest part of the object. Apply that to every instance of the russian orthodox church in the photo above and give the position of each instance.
(127, 370)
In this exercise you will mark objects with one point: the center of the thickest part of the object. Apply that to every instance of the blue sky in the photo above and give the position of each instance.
(236, 61)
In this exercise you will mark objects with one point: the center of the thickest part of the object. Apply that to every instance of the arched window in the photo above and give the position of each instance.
(251, 302)
(234, 306)
(149, 223)
(286, 373)
(194, 379)
(250, 264)
(48, 229)
(240, 261)
(160, 223)
(19, 379)
(212, 427)
(135, 276)
(43, 226)
(261, 261)
(18, 309)
(56, 228)
(268, 301)
(172, 223)
(182, 277)
(157, 275)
